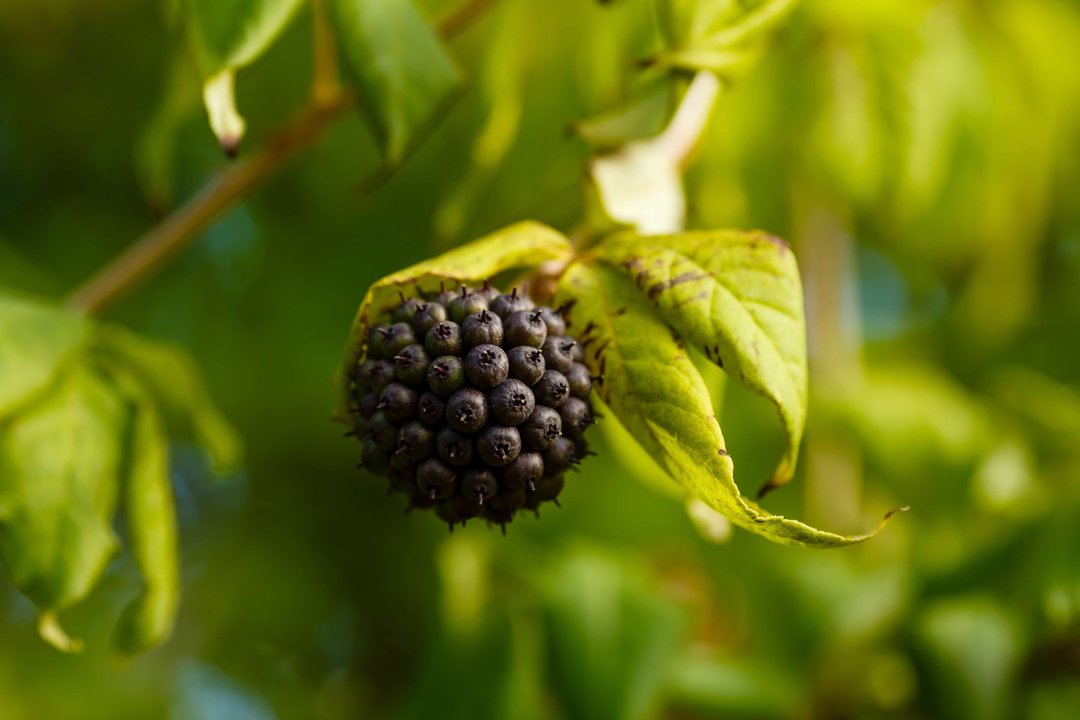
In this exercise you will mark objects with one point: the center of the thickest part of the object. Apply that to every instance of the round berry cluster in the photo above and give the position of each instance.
(472, 403)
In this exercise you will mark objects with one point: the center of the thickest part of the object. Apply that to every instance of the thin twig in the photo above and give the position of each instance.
(160, 244)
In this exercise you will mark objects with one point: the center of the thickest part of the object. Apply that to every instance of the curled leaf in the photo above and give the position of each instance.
(219, 95)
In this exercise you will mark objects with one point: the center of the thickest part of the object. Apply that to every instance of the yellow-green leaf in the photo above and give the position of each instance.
(522, 245)
(37, 338)
(652, 386)
(736, 296)
(59, 463)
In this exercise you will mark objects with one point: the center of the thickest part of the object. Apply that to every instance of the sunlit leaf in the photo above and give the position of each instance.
(59, 464)
(36, 339)
(219, 95)
(404, 73)
(737, 297)
(653, 387)
(522, 245)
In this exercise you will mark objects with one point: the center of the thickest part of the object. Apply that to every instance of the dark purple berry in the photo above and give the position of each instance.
(467, 410)
(554, 321)
(483, 328)
(366, 406)
(557, 353)
(547, 489)
(508, 500)
(525, 327)
(398, 401)
(382, 431)
(410, 365)
(464, 305)
(404, 312)
(486, 366)
(498, 445)
(431, 409)
(443, 339)
(415, 441)
(436, 479)
(524, 472)
(511, 402)
(505, 305)
(551, 389)
(402, 474)
(479, 485)
(526, 364)
(428, 316)
(488, 292)
(464, 507)
(559, 457)
(454, 447)
(446, 375)
(579, 381)
(541, 429)
(376, 342)
(396, 338)
(576, 416)
(374, 458)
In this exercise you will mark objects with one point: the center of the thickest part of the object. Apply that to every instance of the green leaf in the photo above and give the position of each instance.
(737, 297)
(652, 386)
(172, 380)
(404, 73)
(522, 245)
(37, 338)
(234, 33)
(151, 523)
(227, 35)
(59, 463)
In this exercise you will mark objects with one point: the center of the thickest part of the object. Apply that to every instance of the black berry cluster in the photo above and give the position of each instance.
(473, 403)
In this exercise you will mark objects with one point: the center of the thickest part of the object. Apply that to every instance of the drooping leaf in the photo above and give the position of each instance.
(652, 386)
(150, 513)
(736, 296)
(522, 245)
(177, 392)
(59, 463)
(227, 35)
(405, 76)
(36, 339)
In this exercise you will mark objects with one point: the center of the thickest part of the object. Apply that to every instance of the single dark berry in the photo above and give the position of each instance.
(444, 297)
(366, 405)
(546, 490)
(498, 445)
(376, 342)
(576, 417)
(554, 321)
(500, 516)
(559, 457)
(579, 381)
(479, 485)
(465, 304)
(410, 365)
(436, 479)
(431, 409)
(446, 375)
(421, 499)
(396, 338)
(374, 458)
(404, 312)
(488, 292)
(454, 447)
(525, 327)
(402, 474)
(443, 339)
(541, 429)
(551, 389)
(577, 353)
(398, 401)
(511, 402)
(428, 316)
(382, 431)
(524, 472)
(526, 364)
(467, 410)
(379, 374)
(557, 353)
(486, 366)
(483, 328)
(415, 441)
(504, 305)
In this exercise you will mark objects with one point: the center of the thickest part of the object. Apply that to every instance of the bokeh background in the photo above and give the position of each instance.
(922, 156)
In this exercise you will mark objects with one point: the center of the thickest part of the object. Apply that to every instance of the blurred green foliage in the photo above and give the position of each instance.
(922, 157)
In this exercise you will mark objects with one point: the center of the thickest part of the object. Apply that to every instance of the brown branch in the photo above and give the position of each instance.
(160, 244)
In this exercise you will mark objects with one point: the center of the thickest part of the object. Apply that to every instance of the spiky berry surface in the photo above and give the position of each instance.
(472, 403)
